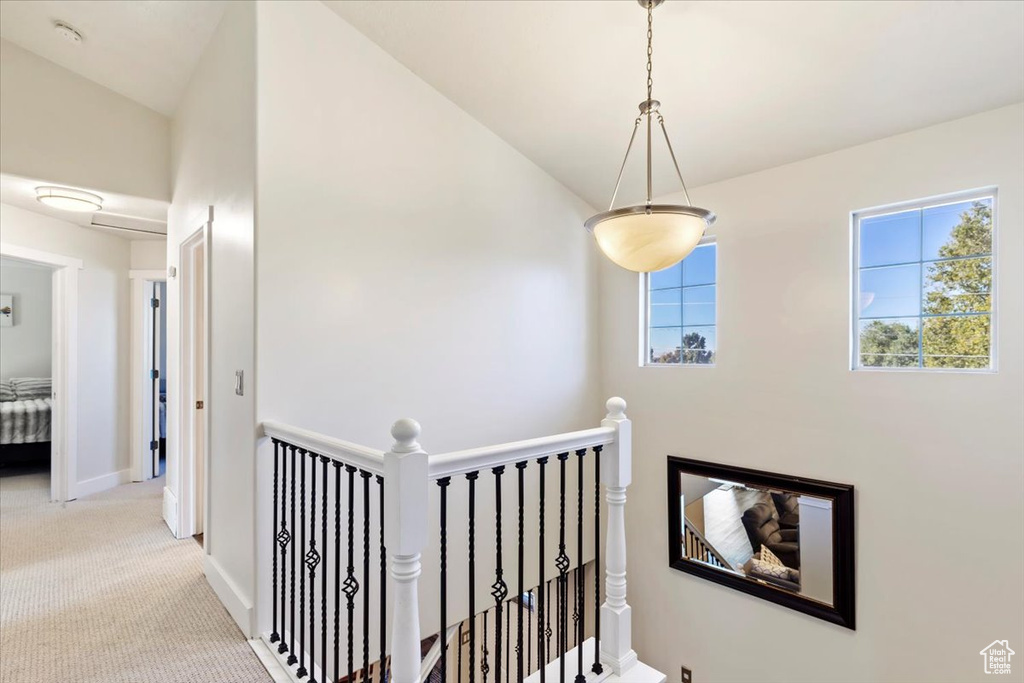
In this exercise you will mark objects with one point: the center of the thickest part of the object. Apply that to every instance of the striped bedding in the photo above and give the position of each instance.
(25, 421)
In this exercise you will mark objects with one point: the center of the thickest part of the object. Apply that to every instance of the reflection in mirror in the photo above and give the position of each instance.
(768, 535)
(785, 539)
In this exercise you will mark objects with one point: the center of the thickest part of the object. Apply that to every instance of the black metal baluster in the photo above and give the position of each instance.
(301, 672)
(312, 560)
(529, 634)
(292, 659)
(597, 668)
(274, 636)
(472, 477)
(485, 667)
(323, 576)
(366, 573)
(562, 562)
(508, 630)
(443, 484)
(498, 589)
(351, 586)
(541, 660)
(578, 609)
(521, 467)
(575, 607)
(382, 672)
(337, 571)
(547, 629)
(459, 679)
(283, 537)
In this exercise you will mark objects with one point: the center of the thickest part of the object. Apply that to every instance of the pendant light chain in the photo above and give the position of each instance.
(650, 46)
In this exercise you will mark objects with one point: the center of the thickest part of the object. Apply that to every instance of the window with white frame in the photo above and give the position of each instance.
(923, 285)
(680, 325)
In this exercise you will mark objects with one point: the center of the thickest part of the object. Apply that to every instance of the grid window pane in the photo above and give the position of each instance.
(890, 343)
(925, 301)
(889, 239)
(958, 230)
(665, 345)
(699, 266)
(699, 305)
(958, 286)
(670, 277)
(891, 291)
(699, 345)
(681, 301)
(666, 310)
(957, 342)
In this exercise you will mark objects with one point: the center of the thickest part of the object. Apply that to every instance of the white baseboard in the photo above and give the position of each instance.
(278, 671)
(237, 605)
(102, 483)
(171, 511)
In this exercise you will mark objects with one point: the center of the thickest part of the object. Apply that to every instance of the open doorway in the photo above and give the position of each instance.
(149, 374)
(39, 330)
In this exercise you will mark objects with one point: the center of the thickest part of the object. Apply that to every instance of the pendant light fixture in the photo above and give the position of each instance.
(648, 237)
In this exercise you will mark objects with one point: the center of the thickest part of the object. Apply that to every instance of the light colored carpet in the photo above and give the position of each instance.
(99, 591)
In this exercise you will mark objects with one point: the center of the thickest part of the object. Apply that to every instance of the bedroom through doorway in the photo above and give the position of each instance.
(26, 372)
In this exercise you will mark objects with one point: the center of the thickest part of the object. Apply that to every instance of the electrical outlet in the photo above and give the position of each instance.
(685, 675)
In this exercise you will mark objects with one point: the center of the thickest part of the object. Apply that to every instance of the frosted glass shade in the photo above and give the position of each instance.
(645, 242)
(68, 199)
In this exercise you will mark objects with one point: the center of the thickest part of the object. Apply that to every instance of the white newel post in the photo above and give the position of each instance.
(405, 534)
(616, 473)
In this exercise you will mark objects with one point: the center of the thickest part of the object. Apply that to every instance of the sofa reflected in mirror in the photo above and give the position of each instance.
(785, 539)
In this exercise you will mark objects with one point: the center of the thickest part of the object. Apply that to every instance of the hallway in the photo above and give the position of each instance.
(99, 591)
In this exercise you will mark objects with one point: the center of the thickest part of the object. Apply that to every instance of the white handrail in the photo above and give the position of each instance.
(364, 458)
(474, 459)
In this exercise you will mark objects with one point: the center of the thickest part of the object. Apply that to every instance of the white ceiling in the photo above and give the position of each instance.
(144, 50)
(130, 217)
(744, 85)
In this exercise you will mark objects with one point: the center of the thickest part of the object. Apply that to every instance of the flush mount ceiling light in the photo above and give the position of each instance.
(67, 199)
(648, 237)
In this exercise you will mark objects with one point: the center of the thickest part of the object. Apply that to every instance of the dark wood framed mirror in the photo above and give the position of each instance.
(781, 538)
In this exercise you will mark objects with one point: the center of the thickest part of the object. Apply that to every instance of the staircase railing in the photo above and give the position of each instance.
(391, 490)
(699, 548)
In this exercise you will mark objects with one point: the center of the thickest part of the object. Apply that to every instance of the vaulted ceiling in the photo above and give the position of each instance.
(744, 85)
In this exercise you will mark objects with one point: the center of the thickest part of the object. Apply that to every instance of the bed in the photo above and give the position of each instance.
(26, 410)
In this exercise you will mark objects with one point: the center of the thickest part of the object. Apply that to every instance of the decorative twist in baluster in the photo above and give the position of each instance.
(323, 575)
(301, 672)
(541, 658)
(351, 586)
(578, 614)
(471, 478)
(562, 563)
(366, 573)
(597, 668)
(498, 589)
(485, 667)
(312, 560)
(443, 484)
(274, 635)
(547, 629)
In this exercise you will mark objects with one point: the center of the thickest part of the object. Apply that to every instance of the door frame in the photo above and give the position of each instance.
(141, 392)
(189, 497)
(64, 366)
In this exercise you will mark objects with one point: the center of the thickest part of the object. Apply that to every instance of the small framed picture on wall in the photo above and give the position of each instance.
(6, 310)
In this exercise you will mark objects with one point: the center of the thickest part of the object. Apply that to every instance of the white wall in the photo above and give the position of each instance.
(103, 331)
(69, 130)
(214, 163)
(25, 347)
(149, 254)
(936, 457)
(410, 263)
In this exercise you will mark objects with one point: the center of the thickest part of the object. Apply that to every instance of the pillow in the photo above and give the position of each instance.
(32, 387)
(768, 569)
(768, 557)
(7, 391)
